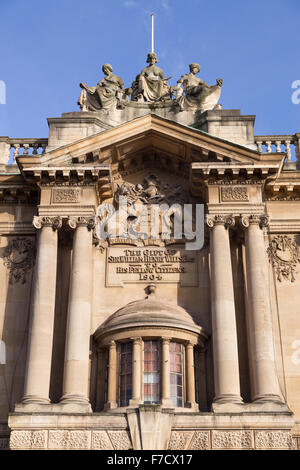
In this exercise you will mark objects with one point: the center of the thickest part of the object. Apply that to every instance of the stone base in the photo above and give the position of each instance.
(152, 427)
(67, 407)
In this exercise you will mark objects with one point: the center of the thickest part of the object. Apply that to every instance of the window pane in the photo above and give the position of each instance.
(125, 374)
(176, 373)
(151, 372)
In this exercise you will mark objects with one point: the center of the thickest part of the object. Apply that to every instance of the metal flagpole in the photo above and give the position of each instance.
(152, 38)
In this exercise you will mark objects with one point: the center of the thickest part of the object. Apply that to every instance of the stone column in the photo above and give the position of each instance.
(112, 378)
(165, 373)
(225, 349)
(136, 372)
(265, 383)
(76, 370)
(190, 377)
(38, 369)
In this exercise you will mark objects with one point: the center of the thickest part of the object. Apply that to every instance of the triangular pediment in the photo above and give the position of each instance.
(144, 136)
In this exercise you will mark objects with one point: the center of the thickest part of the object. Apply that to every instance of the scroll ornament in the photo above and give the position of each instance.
(283, 254)
(19, 257)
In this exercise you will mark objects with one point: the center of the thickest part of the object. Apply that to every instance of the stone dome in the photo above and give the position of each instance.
(150, 311)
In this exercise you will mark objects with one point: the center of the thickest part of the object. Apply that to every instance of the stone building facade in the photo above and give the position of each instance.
(140, 343)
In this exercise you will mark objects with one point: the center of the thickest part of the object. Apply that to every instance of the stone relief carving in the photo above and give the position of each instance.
(232, 440)
(109, 94)
(19, 257)
(273, 440)
(200, 441)
(28, 440)
(61, 195)
(152, 191)
(195, 92)
(284, 256)
(120, 440)
(101, 441)
(235, 193)
(180, 439)
(64, 439)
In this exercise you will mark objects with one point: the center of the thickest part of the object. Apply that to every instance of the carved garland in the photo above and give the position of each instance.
(19, 258)
(283, 254)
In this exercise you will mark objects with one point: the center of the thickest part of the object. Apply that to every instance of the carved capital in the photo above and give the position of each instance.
(40, 222)
(88, 222)
(226, 220)
(260, 220)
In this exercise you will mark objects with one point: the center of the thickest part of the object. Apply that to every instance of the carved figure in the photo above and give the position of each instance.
(151, 85)
(195, 92)
(108, 94)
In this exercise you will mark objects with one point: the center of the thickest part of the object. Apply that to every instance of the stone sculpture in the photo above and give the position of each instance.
(151, 85)
(108, 94)
(195, 92)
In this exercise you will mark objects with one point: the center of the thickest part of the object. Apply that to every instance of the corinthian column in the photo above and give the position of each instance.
(265, 383)
(37, 379)
(76, 371)
(225, 349)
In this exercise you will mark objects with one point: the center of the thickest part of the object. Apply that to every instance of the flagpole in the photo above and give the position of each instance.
(152, 37)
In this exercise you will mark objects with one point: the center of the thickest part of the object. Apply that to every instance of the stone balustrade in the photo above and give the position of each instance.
(290, 144)
(20, 147)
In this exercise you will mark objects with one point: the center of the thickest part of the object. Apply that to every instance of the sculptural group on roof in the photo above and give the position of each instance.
(150, 86)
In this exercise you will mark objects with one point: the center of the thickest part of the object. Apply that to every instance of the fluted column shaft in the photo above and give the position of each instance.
(38, 369)
(136, 372)
(165, 373)
(224, 333)
(265, 383)
(112, 377)
(76, 369)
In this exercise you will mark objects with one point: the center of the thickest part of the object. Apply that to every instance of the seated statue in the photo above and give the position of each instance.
(151, 85)
(195, 92)
(108, 94)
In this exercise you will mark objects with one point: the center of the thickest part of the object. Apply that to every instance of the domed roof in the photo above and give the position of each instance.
(150, 311)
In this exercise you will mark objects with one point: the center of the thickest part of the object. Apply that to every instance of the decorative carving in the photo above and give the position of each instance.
(152, 191)
(227, 220)
(232, 440)
(19, 258)
(65, 439)
(109, 94)
(88, 222)
(54, 222)
(101, 441)
(180, 440)
(120, 440)
(261, 220)
(235, 193)
(273, 440)
(195, 92)
(200, 441)
(284, 256)
(65, 195)
(28, 440)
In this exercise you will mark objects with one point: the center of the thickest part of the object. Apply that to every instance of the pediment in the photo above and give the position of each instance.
(146, 142)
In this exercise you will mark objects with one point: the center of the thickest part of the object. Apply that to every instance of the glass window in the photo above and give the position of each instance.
(176, 373)
(151, 372)
(125, 374)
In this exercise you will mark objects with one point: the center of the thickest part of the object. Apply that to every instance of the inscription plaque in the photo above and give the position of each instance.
(159, 265)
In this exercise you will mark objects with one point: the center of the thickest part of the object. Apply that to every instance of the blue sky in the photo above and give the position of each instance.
(49, 47)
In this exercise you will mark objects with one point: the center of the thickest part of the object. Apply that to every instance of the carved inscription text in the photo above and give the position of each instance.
(163, 265)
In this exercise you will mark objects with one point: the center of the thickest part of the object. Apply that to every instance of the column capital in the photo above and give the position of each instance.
(137, 340)
(45, 221)
(166, 339)
(261, 220)
(218, 219)
(88, 222)
(112, 344)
